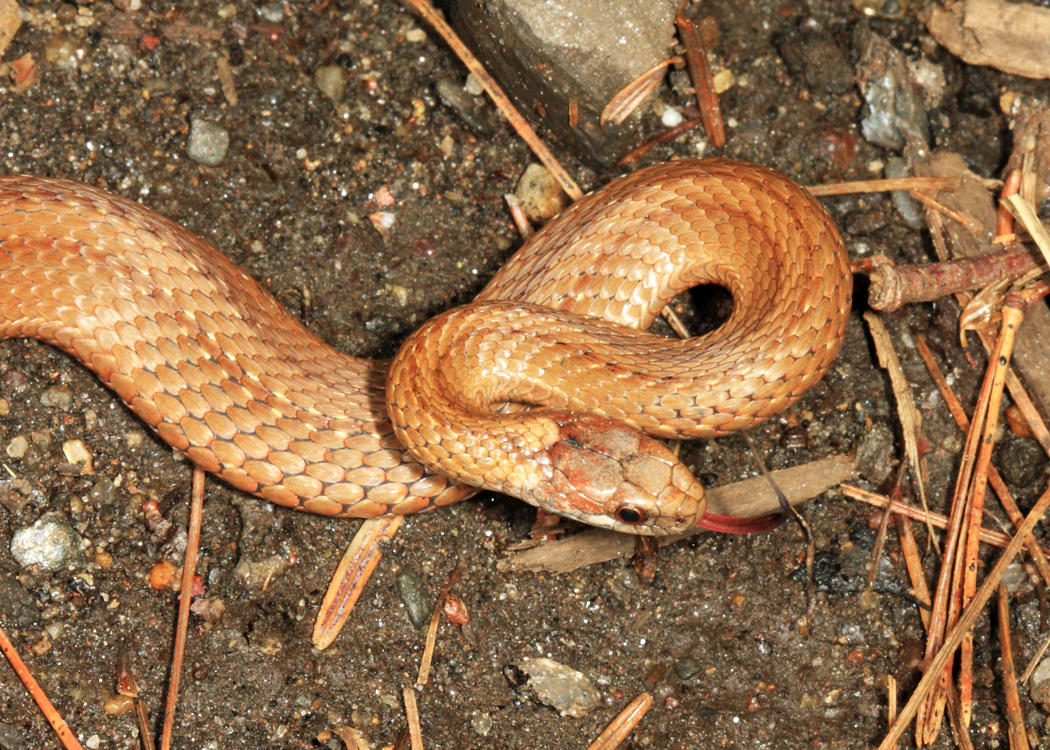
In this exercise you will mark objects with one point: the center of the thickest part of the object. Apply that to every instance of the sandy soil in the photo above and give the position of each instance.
(719, 636)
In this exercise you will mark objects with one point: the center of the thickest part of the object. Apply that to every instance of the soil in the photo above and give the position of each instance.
(720, 636)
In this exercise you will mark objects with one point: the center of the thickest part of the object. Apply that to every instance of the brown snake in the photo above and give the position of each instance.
(518, 392)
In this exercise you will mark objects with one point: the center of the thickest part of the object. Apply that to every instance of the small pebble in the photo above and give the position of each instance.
(208, 608)
(671, 117)
(77, 453)
(63, 53)
(539, 193)
(49, 544)
(686, 667)
(472, 110)
(118, 704)
(331, 81)
(208, 142)
(272, 12)
(553, 684)
(163, 576)
(257, 574)
(17, 447)
(1039, 684)
(455, 610)
(481, 723)
(875, 453)
(383, 221)
(410, 588)
(57, 396)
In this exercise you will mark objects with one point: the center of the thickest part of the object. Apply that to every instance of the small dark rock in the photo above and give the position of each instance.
(687, 667)
(410, 588)
(1020, 460)
(816, 59)
(875, 454)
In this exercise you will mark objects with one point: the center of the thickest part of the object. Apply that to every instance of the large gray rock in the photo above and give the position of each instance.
(545, 53)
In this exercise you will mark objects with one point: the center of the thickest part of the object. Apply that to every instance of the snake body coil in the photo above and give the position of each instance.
(522, 392)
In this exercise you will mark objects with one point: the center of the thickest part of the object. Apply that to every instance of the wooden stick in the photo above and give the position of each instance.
(935, 665)
(893, 286)
(1011, 320)
(189, 565)
(1014, 716)
(624, 723)
(354, 569)
(882, 185)
(65, 734)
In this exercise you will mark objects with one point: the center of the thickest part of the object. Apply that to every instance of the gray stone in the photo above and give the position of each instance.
(545, 54)
(553, 684)
(49, 544)
(208, 142)
(875, 454)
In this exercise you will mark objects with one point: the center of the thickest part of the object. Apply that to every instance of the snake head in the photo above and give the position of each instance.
(609, 475)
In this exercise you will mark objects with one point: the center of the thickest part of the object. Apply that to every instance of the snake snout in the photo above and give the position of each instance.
(610, 475)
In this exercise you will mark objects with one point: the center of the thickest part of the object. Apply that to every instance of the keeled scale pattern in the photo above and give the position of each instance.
(202, 353)
(621, 255)
(222, 372)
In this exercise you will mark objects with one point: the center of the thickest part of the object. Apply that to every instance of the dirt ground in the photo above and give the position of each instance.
(719, 636)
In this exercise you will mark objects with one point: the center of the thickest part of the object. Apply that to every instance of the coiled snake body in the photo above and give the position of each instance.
(536, 389)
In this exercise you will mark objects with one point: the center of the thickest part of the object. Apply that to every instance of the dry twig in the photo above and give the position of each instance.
(628, 99)
(1012, 317)
(963, 423)
(435, 620)
(894, 286)
(415, 732)
(65, 734)
(351, 575)
(1014, 716)
(624, 723)
(189, 566)
(935, 666)
(703, 82)
(910, 419)
(882, 185)
(915, 513)
(960, 547)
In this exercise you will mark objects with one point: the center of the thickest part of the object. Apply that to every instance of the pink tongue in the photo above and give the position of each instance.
(738, 525)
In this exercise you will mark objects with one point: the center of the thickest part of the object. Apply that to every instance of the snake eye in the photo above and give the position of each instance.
(630, 515)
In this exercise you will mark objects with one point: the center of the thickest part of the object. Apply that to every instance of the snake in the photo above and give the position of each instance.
(549, 386)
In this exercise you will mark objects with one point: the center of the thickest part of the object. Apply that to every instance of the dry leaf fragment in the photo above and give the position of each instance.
(24, 72)
(627, 100)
